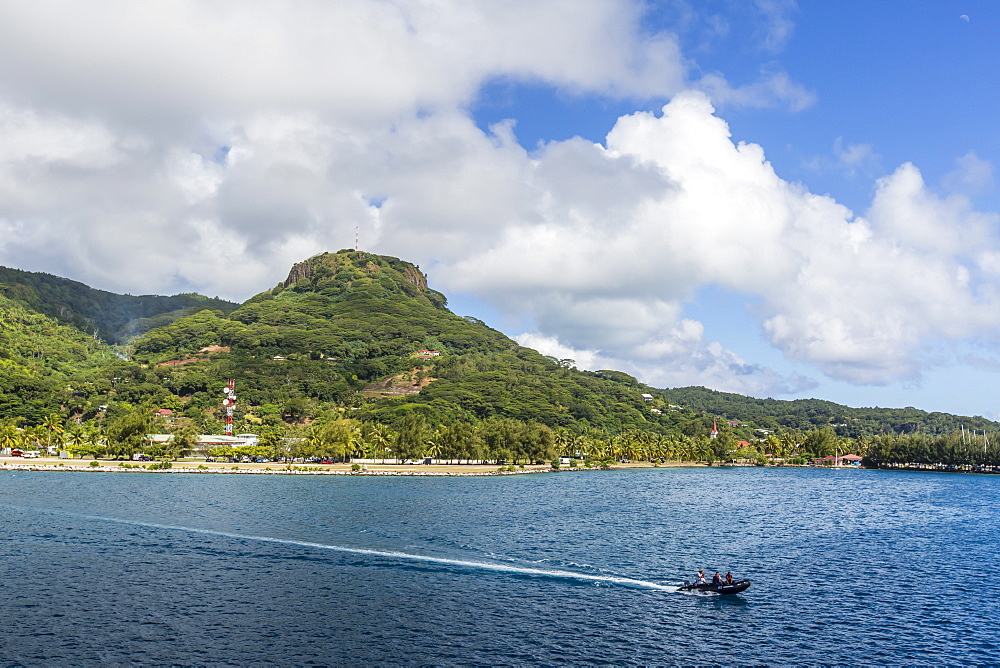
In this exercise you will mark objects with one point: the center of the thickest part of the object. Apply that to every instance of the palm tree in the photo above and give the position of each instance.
(701, 448)
(357, 446)
(375, 439)
(33, 437)
(564, 441)
(10, 436)
(862, 444)
(75, 435)
(53, 424)
(684, 448)
(787, 444)
(93, 443)
(432, 444)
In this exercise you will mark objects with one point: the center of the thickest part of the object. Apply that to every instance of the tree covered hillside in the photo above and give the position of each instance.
(806, 414)
(45, 366)
(343, 321)
(115, 318)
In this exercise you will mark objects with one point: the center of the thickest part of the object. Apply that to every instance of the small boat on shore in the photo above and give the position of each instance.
(709, 588)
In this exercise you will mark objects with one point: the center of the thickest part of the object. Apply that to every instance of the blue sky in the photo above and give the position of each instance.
(912, 81)
(762, 196)
(896, 81)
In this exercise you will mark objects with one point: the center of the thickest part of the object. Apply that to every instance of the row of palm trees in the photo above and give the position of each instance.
(506, 440)
(638, 445)
(339, 437)
(51, 433)
(342, 439)
(120, 438)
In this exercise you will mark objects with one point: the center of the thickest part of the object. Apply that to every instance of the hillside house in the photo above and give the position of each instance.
(168, 415)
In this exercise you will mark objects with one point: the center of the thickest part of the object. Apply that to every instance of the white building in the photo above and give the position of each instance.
(206, 442)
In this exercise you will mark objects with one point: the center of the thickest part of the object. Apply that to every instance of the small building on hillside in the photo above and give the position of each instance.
(168, 415)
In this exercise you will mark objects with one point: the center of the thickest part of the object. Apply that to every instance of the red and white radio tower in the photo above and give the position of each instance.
(229, 402)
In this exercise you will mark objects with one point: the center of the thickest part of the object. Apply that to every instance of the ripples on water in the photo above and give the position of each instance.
(848, 567)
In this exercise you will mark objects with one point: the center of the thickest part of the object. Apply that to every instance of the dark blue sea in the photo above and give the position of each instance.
(848, 567)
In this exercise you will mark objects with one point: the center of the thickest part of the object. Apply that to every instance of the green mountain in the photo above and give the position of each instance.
(114, 318)
(348, 323)
(362, 336)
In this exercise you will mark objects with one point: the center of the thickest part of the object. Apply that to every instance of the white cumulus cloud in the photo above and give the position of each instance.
(156, 147)
(858, 297)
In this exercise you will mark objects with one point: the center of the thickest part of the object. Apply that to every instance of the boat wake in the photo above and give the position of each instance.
(405, 556)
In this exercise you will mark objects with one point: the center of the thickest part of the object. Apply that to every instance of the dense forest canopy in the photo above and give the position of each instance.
(112, 317)
(805, 414)
(354, 349)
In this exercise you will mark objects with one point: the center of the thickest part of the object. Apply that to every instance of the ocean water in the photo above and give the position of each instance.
(848, 567)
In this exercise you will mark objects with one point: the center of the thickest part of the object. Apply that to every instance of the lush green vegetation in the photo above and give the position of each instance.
(955, 450)
(807, 414)
(45, 367)
(327, 366)
(112, 317)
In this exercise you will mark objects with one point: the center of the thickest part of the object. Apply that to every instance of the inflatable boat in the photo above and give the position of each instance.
(708, 587)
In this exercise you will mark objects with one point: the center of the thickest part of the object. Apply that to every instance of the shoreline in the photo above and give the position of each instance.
(400, 470)
(277, 468)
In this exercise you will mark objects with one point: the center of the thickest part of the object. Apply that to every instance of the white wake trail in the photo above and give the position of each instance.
(405, 556)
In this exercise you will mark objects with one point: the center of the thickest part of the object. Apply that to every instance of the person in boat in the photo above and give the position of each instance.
(717, 579)
(699, 579)
(729, 578)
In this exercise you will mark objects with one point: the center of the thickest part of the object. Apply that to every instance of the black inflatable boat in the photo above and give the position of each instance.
(735, 588)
